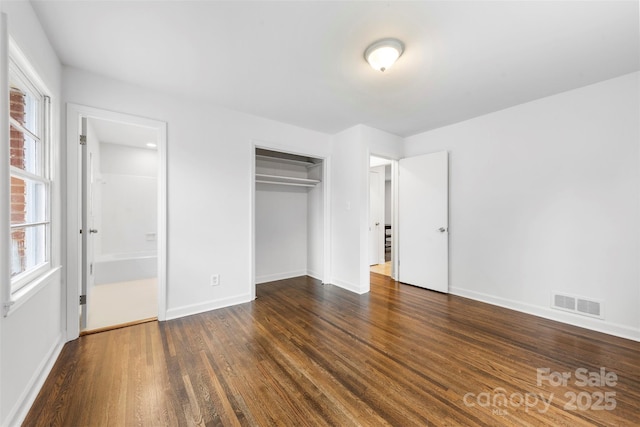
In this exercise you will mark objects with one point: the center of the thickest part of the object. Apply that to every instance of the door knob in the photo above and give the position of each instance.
(93, 231)
(442, 229)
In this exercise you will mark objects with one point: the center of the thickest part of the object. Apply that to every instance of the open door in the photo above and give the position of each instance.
(423, 204)
(85, 226)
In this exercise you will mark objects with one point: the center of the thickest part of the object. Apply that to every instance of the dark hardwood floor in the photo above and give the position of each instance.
(307, 354)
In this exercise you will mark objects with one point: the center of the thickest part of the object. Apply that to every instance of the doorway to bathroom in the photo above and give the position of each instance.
(122, 194)
(121, 205)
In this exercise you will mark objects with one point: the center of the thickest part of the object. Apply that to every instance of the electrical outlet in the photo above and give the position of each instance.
(215, 279)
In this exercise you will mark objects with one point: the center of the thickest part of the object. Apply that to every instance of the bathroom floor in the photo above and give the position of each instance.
(123, 302)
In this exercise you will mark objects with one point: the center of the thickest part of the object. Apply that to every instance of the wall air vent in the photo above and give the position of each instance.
(564, 302)
(590, 308)
(577, 305)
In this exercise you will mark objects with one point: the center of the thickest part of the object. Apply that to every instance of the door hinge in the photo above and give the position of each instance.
(83, 299)
(83, 139)
(6, 307)
(91, 269)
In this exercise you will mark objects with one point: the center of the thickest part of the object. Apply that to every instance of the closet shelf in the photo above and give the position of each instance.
(287, 161)
(286, 180)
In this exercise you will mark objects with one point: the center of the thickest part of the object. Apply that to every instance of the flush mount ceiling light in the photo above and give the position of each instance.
(382, 54)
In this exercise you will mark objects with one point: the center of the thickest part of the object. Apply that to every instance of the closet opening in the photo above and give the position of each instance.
(289, 216)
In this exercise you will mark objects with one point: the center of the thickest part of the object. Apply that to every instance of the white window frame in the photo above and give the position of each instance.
(23, 72)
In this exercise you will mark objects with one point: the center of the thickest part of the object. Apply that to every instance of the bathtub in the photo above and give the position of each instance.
(124, 267)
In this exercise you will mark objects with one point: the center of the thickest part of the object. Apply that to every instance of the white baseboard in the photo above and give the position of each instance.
(315, 275)
(188, 310)
(279, 276)
(548, 313)
(19, 412)
(349, 286)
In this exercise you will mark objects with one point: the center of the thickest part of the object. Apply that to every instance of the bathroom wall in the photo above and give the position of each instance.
(128, 189)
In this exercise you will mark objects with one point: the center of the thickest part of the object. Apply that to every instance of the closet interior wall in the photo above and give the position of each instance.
(288, 216)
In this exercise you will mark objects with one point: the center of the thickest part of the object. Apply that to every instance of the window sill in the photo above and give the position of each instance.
(24, 294)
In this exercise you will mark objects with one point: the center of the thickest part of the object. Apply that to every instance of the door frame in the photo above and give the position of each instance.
(394, 211)
(326, 202)
(74, 206)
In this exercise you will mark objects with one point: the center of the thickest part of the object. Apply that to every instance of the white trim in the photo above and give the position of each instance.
(32, 75)
(5, 199)
(18, 413)
(29, 79)
(252, 219)
(589, 323)
(350, 286)
(161, 235)
(314, 274)
(23, 174)
(326, 192)
(5, 179)
(364, 268)
(191, 309)
(32, 287)
(74, 113)
(20, 127)
(280, 276)
(395, 256)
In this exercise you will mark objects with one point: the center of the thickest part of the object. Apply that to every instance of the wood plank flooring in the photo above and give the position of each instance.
(309, 354)
(384, 269)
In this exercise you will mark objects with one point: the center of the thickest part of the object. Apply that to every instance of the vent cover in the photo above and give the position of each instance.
(577, 305)
(564, 302)
(591, 308)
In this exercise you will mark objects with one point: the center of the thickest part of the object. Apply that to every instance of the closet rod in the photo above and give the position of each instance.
(284, 178)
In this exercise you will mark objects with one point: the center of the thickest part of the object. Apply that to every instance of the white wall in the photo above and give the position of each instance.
(281, 232)
(350, 201)
(126, 160)
(210, 157)
(31, 335)
(544, 197)
(129, 198)
(348, 193)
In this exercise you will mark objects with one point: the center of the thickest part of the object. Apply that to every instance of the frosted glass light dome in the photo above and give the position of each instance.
(382, 54)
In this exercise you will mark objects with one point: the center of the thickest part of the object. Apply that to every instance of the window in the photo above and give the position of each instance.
(30, 181)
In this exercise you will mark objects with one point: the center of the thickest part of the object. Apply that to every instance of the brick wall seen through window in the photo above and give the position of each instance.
(18, 187)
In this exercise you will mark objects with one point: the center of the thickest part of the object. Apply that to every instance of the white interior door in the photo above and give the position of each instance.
(423, 205)
(376, 215)
(85, 225)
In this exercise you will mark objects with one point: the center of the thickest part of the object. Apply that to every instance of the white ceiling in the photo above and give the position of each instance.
(301, 62)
